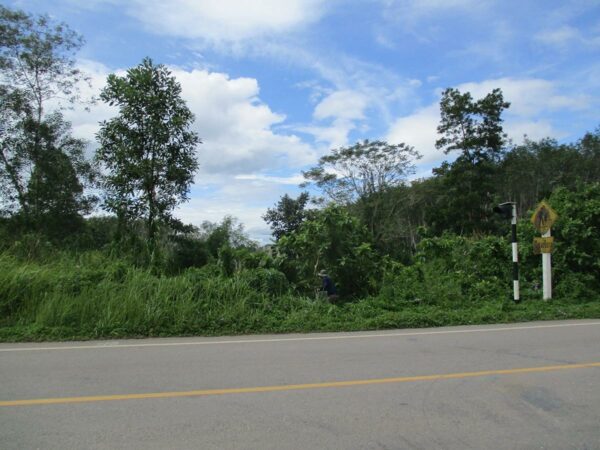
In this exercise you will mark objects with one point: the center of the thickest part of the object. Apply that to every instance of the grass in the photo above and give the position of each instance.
(93, 297)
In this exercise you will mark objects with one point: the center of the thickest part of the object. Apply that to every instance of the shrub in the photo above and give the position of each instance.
(268, 281)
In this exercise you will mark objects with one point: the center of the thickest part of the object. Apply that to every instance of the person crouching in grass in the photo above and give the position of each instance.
(328, 287)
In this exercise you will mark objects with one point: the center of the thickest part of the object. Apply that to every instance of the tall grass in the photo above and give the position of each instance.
(92, 295)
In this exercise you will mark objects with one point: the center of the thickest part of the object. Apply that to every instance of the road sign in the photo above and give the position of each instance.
(543, 245)
(543, 217)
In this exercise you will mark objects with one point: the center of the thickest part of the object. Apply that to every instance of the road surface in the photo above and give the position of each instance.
(518, 386)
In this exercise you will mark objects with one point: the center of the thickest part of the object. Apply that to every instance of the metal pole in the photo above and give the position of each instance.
(515, 254)
(547, 271)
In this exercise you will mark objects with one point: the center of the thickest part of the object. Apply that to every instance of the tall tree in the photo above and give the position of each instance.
(148, 149)
(362, 175)
(472, 127)
(37, 66)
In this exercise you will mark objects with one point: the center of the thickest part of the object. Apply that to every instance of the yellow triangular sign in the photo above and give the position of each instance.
(543, 217)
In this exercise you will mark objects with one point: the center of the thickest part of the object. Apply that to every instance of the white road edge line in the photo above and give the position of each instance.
(307, 338)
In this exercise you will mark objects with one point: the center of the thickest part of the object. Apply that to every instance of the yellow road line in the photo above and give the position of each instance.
(292, 387)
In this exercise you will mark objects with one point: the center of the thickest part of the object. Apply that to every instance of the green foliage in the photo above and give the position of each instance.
(331, 240)
(365, 176)
(472, 127)
(227, 233)
(35, 48)
(268, 281)
(43, 170)
(532, 171)
(462, 201)
(576, 235)
(186, 252)
(451, 271)
(148, 148)
(575, 266)
(95, 296)
(226, 260)
(287, 215)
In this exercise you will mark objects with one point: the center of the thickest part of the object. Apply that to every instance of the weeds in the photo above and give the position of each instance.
(92, 295)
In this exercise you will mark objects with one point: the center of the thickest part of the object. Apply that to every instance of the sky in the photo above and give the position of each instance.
(276, 84)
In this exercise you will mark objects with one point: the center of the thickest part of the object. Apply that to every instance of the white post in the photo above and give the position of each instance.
(547, 271)
(515, 254)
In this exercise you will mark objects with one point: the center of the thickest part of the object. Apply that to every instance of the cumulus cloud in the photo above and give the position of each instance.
(420, 131)
(231, 20)
(344, 109)
(236, 127)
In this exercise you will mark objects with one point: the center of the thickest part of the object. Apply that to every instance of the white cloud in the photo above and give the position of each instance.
(533, 129)
(291, 180)
(349, 105)
(228, 20)
(420, 131)
(527, 96)
(345, 109)
(566, 36)
(333, 135)
(236, 127)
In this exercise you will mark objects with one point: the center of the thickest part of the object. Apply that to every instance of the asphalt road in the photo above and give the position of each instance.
(519, 386)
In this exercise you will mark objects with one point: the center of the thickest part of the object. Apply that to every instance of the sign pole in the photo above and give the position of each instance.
(542, 219)
(547, 271)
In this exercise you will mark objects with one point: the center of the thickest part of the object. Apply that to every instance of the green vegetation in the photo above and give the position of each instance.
(403, 254)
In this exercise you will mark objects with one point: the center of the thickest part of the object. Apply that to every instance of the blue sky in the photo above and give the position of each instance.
(275, 84)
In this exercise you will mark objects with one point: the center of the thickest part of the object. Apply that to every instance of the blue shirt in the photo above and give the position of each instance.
(328, 286)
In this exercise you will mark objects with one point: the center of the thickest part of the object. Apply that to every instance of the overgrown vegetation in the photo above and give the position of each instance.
(403, 254)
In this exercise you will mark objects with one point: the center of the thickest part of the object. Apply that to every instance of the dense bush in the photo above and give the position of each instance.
(335, 241)
(451, 270)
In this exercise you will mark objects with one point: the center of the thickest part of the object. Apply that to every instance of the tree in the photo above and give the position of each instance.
(472, 127)
(37, 65)
(55, 196)
(148, 148)
(287, 215)
(365, 169)
(589, 147)
(463, 197)
(362, 175)
(228, 233)
(531, 171)
(14, 158)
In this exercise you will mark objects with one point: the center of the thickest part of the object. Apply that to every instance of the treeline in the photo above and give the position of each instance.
(402, 253)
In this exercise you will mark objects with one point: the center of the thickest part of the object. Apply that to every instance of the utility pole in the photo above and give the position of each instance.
(509, 211)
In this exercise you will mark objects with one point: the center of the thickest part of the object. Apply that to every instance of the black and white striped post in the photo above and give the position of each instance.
(509, 211)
